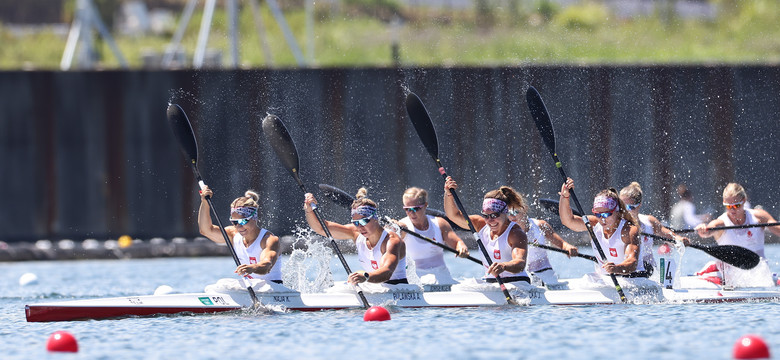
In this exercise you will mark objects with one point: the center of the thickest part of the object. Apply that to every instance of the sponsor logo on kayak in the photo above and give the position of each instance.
(497, 254)
(613, 252)
(135, 301)
(278, 298)
(205, 300)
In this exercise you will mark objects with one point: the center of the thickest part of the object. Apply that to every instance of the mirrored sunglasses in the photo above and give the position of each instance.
(733, 206)
(241, 222)
(491, 215)
(603, 215)
(361, 222)
(413, 209)
(632, 206)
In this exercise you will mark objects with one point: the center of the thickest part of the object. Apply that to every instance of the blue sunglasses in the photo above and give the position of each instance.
(632, 206)
(241, 222)
(605, 214)
(361, 222)
(413, 209)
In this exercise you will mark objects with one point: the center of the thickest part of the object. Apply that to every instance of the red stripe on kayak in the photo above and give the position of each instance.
(70, 313)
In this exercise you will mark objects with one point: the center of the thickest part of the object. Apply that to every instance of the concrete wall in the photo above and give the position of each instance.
(90, 154)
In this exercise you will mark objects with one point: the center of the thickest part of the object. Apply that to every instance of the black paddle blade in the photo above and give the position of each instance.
(423, 124)
(552, 206)
(182, 129)
(732, 254)
(338, 196)
(284, 147)
(541, 117)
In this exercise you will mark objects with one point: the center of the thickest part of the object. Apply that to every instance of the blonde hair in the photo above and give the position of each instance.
(734, 189)
(416, 193)
(361, 199)
(250, 199)
(510, 196)
(633, 191)
(622, 211)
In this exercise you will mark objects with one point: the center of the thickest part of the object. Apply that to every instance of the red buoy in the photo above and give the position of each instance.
(751, 347)
(376, 313)
(62, 341)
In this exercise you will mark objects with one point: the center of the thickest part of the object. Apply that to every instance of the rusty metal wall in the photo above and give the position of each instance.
(90, 154)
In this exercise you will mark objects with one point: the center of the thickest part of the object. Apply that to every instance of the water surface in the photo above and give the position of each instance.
(693, 331)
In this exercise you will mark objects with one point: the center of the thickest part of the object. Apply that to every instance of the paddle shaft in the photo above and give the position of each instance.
(445, 247)
(342, 198)
(547, 247)
(333, 244)
(544, 125)
(745, 226)
(202, 185)
(585, 220)
(474, 232)
(182, 130)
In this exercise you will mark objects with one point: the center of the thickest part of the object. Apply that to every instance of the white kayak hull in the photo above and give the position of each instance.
(281, 298)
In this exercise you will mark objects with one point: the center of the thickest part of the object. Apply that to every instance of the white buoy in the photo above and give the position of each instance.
(43, 244)
(90, 244)
(163, 290)
(28, 279)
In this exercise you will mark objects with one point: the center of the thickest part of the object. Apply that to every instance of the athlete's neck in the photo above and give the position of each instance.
(421, 223)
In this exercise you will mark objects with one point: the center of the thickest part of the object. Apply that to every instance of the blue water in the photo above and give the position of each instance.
(693, 331)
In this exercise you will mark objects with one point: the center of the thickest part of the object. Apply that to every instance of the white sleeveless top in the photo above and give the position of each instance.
(614, 248)
(751, 238)
(251, 255)
(537, 257)
(370, 258)
(424, 254)
(499, 249)
(646, 242)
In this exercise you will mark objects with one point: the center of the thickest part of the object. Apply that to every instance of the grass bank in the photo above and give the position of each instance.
(743, 32)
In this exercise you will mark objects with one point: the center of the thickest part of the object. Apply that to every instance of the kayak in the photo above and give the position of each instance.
(232, 295)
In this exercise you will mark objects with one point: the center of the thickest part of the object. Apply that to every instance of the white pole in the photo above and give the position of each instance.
(73, 40)
(170, 51)
(260, 27)
(203, 35)
(309, 7)
(232, 9)
(98, 23)
(288, 36)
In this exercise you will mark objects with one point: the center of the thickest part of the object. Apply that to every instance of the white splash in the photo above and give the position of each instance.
(310, 258)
